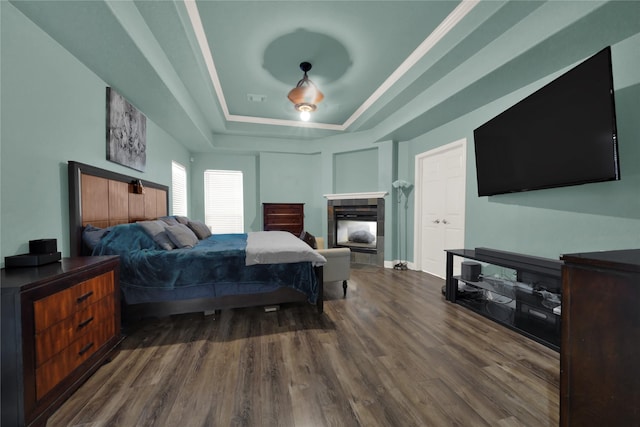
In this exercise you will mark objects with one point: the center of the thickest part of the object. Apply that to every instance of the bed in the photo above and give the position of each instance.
(220, 271)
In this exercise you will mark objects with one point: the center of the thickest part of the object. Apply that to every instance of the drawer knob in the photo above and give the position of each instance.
(85, 348)
(85, 322)
(82, 298)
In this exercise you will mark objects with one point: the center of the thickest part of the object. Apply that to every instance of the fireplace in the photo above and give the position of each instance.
(358, 224)
(356, 227)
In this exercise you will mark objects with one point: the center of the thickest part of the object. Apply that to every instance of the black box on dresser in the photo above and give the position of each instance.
(43, 246)
(41, 251)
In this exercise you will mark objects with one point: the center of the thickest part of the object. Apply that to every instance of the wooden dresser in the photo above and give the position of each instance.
(283, 216)
(600, 354)
(60, 323)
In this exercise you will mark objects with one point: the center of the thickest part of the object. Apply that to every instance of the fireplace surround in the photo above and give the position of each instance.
(356, 221)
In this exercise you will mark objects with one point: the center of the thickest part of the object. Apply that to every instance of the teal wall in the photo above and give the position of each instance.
(247, 163)
(294, 178)
(357, 153)
(551, 222)
(52, 111)
(267, 178)
(356, 171)
(284, 177)
(297, 172)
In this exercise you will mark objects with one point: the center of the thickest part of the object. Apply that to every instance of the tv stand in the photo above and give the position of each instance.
(518, 291)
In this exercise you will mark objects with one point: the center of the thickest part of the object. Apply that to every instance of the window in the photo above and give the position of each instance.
(223, 201)
(179, 189)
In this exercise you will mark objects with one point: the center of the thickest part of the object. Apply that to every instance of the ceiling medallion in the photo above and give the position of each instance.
(305, 95)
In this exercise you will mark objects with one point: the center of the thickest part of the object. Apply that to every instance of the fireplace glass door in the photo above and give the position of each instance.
(356, 234)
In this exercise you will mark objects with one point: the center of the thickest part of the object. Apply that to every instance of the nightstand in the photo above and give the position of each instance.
(60, 323)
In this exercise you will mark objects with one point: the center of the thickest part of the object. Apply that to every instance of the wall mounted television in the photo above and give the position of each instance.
(563, 134)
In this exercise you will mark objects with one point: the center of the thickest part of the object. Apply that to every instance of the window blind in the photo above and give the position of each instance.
(223, 201)
(179, 189)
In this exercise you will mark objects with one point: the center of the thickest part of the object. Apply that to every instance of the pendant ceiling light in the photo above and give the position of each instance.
(305, 95)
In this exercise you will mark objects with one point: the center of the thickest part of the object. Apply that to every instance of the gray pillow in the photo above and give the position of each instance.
(182, 219)
(200, 229)
(182, 236)
(156, 229)
(169, 220)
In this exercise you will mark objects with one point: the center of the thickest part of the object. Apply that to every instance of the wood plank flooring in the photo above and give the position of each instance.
(393, 353)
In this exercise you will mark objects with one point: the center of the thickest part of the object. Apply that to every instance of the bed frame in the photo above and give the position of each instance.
(103, 198)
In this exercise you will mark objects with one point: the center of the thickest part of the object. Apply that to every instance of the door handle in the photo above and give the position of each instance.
(437, 221)
(444, 221)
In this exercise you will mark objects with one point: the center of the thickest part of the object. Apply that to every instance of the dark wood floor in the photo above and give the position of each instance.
(393, 353)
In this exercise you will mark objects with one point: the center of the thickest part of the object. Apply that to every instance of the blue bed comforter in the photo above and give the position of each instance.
(214, 267)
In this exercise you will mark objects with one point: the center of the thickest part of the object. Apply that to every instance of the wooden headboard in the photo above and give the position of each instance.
(103, 198)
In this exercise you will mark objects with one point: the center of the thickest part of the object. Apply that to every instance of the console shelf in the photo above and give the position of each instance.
(517, 291)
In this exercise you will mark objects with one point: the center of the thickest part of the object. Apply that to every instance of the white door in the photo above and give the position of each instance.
(440, 202)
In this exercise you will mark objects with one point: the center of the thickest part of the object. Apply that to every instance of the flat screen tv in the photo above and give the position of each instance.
(563, 134)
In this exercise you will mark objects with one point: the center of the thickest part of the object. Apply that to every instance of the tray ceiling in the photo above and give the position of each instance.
(205, 69)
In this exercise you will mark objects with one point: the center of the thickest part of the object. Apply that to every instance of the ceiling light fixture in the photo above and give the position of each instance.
(305, 95)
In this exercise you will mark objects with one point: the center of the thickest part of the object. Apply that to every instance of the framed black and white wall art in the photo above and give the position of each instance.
(126, 132)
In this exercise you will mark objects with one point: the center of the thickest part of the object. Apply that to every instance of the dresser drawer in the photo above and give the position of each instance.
(286, 219)
(54, 339)
(284, 210)
(75, 306)
(62, 364)
(291, 228)
(54, 308)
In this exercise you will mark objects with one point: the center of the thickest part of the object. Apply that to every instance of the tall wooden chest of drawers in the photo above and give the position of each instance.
(599, 355)
(60, 322)
(284, 217)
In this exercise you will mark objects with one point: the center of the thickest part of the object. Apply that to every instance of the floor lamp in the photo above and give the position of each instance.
(402, 186)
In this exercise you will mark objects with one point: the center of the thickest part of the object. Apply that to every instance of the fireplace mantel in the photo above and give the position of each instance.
(345, 196)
